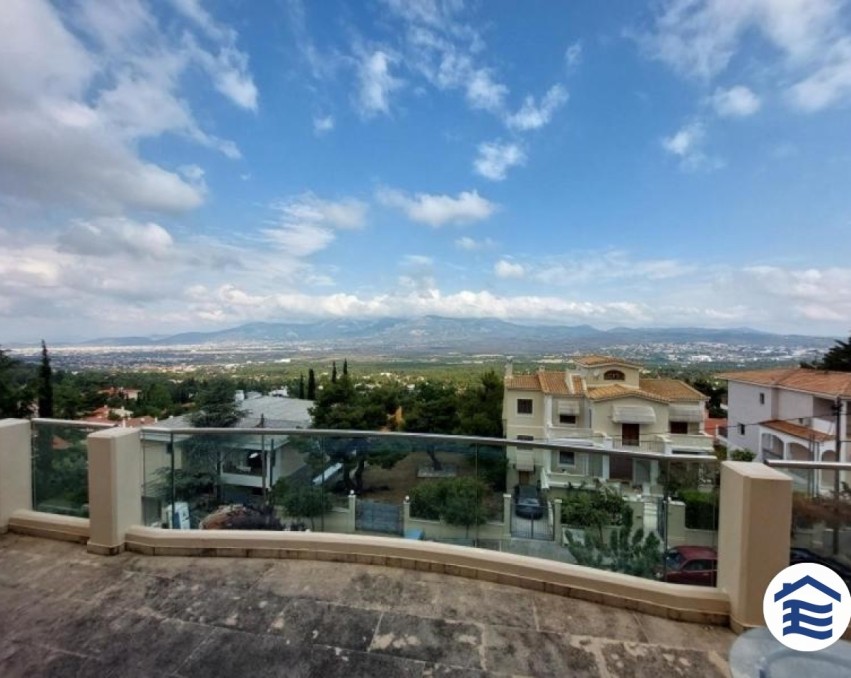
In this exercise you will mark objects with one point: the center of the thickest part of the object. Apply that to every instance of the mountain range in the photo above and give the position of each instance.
(465, 335)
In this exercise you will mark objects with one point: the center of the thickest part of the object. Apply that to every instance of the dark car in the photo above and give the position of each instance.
(696, 565)
(527, 502)
(801, 555)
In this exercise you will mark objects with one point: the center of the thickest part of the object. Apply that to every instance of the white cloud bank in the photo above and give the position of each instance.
(438, 210)
(495, 158)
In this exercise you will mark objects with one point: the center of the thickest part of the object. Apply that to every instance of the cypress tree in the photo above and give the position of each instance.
(45, 384)
(311, 385)
(334, 372)
(301, 386)
(345, 367)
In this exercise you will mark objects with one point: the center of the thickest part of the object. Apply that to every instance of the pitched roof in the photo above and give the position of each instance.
(796, 378)
(671, 389)
(523, 382)
(597, 360)
(802, 432)
(620, 391)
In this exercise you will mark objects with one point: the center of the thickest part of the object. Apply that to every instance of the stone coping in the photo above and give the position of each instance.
(673, 601)
(49, 525)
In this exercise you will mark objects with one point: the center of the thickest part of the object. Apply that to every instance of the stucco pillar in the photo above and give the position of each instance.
(15, 468)
(115, 487)
(753, 536)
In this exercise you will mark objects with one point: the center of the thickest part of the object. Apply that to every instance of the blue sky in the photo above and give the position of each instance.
(191, 164)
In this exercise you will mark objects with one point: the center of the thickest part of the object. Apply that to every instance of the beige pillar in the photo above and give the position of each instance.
(115, 487)
(15, 468)
(753, 536)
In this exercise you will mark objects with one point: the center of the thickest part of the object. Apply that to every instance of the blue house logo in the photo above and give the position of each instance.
(800, 612)
(807, 607)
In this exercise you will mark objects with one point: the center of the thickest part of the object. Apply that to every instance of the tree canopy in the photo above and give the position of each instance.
(838, 358)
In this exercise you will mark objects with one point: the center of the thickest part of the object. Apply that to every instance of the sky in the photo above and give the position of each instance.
(196, 164)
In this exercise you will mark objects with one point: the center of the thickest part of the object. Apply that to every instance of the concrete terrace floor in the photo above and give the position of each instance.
(64, 612)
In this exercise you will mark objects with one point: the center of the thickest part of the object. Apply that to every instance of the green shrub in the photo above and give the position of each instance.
(701, 509)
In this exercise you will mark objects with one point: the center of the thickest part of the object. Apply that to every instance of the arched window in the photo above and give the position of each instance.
(614, 375)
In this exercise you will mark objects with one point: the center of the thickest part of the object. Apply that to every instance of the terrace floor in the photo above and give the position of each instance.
(64, 612)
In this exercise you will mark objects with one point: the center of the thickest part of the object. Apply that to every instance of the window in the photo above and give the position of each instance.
(679, 427)
(566, 458)
(699, 566)
(741, 429)
(524, 406)
(614, 375)
(567, 419)
(762, 398)
(524, 447)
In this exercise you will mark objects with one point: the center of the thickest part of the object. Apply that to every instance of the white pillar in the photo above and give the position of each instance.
(115, 487)
(15, 468)
(753, 536)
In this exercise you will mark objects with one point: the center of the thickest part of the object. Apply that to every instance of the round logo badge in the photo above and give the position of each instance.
(807, 607)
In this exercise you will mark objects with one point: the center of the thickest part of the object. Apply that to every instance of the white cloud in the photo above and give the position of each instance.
(119, 236)
(71, 113)
(573, 54)
(323, 124)
(607, 266)
(496, 158)
(470, 244)
(736, 102)
(484, 92)
(376, 83)
(687, 145)
(348, 213)
(700, 38)
(439, 210)
(534, 116)
(507, 269)
(307, 223)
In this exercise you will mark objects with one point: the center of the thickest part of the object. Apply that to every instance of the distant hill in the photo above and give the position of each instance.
(462, 335)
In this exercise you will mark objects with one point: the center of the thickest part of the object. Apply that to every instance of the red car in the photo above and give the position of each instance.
(696, 565)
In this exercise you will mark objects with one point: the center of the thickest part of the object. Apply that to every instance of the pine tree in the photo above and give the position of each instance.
(837, 358)
(334, 372)
(311, 384)
(45, 385)
(301, 386)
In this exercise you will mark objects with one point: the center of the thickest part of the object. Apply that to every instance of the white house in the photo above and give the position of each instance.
(790, 413)
(604, 403)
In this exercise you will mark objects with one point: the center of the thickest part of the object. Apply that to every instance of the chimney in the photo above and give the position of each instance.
(509, 367)
(540, 369)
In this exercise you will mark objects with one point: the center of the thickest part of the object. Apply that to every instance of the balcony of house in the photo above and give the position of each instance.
(410, 501)
(785, 441)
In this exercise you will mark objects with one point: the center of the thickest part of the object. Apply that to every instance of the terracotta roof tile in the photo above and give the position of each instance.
(523, 382)
(671, 389)
(797, 379)
(798, 431)
(578, 385)
(553, 383)
(620, 391)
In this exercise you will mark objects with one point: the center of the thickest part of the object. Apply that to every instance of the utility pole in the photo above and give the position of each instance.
(837, 412)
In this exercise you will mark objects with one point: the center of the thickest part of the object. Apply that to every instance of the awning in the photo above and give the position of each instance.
(685, 413)
(525, 460)
(568, 406)
(633, 414)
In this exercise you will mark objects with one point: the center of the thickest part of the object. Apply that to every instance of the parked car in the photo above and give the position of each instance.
(696, 565)
(527, 502)
(801, 555)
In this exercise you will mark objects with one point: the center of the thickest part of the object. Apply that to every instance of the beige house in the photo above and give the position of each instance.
(603, 403)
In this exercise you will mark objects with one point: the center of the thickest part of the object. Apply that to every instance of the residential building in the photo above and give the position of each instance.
(791, 414)
(604, 403)
(248, 462)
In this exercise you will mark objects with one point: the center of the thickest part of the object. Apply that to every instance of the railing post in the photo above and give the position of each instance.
(15, 468)
(506, 516)
(557, 521)
(115, 487)
(754, 531)
(353, 512)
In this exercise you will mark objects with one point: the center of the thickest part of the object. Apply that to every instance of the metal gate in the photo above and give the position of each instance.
(527, 527)
(375, 516)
